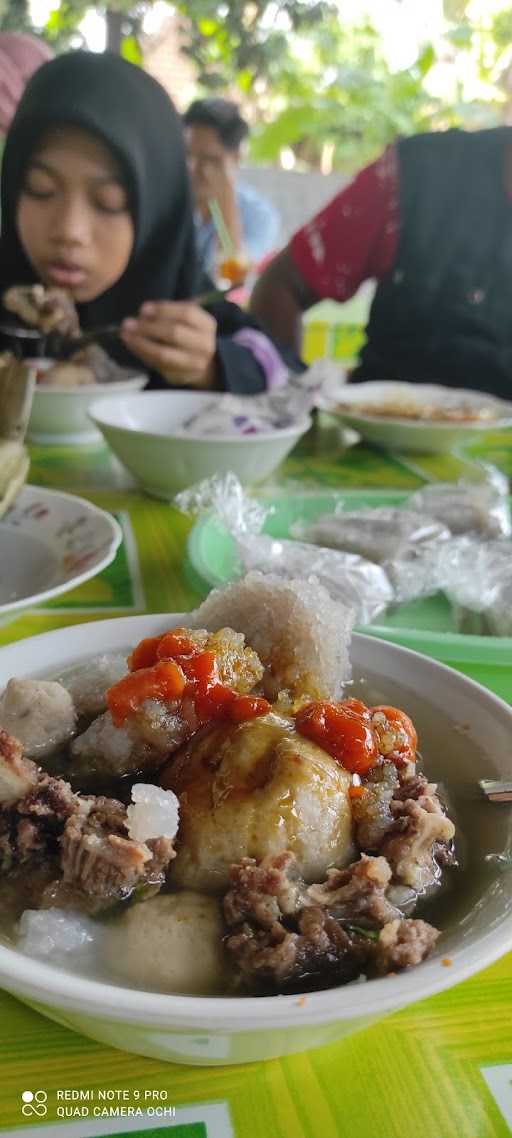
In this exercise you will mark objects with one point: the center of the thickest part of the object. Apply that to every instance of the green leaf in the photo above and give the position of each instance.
(208, 27)
(425, 60)
(460, 36)
(130, 50)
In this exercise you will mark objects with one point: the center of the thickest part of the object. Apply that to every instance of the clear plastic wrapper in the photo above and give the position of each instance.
(374, 558)
(403, 542)
(356, 582)
(234, 415)
(415, 572)
(353, 580)
(379, 534)
(479, 506)
(223, 495)
(477, 578)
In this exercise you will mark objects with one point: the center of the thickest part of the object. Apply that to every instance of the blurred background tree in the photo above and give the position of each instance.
(325, 83)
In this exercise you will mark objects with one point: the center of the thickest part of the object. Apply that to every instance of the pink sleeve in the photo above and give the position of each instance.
(355, 236)
(265, 354)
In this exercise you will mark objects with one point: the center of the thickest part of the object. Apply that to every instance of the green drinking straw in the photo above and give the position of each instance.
(220, 227)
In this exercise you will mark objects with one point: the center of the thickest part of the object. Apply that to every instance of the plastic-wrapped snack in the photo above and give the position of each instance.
(223, 495)
(414, 572)
(403, 542)
(379, 534)
(236, 415)
(499, 613)
(353, 580)
(477, 578)
(479, 506)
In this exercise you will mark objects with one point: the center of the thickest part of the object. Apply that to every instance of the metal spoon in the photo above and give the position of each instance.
(69, 346)
(74, 345)
(20, 333)
(496, 790)
(65, 346)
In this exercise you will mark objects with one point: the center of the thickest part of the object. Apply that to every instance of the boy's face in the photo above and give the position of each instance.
(209, 162)
(73, 217)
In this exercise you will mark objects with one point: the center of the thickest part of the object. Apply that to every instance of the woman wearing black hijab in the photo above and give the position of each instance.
(96, 200)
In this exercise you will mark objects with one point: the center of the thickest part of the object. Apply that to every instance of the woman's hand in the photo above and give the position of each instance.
(176, 339)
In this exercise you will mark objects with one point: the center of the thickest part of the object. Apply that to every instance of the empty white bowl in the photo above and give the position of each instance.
(432, 436)
(459, 723)
(144, 432)
(60, 414)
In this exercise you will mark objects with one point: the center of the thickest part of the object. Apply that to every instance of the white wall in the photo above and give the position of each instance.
(297, 197)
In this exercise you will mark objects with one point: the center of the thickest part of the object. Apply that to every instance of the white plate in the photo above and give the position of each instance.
(420, 435)
(50, 542)
(209, 1030)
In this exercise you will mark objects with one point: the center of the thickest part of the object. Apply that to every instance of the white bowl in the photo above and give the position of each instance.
(420, 435)
(143, 432)
(51, 542)
(60, 414)
(216, 1031)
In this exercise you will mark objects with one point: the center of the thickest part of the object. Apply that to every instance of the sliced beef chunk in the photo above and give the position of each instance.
(99, 857)
(263, 893)
(402, 943)
(282, 934)
(359, 891)
(84, 842)
(50, 309)
(17, 775)
(277, 957)
(420, 829)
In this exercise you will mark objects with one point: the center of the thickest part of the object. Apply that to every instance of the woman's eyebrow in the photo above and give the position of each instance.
(40, 165)
(105, 178)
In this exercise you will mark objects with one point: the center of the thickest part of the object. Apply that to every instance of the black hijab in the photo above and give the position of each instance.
(132, 114)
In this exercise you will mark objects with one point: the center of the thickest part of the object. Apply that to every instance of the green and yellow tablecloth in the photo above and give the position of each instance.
(438, 1069)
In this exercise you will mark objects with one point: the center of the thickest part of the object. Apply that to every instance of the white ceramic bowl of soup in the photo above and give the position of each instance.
(464, 733)
(60, 414)
(416, 417)
(147, 434)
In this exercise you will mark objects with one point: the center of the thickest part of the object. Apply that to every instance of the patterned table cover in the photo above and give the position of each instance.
(437, 1069)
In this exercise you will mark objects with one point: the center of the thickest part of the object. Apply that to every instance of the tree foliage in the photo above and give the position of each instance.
(245, 40)
(309, 78)
(62, 29)
(14, 16)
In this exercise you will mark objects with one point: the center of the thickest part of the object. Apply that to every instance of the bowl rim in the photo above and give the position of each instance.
(116, 537)
(130, 382)
(296, 429)
(424, 424)
(38, 981)
(479, 397)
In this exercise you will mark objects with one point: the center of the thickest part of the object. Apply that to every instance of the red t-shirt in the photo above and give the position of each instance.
(355, 237)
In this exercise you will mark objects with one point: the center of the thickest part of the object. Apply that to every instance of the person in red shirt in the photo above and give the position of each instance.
(431, 222)
(20, 56)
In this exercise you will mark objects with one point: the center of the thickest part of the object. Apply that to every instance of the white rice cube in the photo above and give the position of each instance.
(53, 933)
(154, 814)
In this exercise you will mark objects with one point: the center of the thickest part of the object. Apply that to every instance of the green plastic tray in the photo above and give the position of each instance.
(425, 625)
